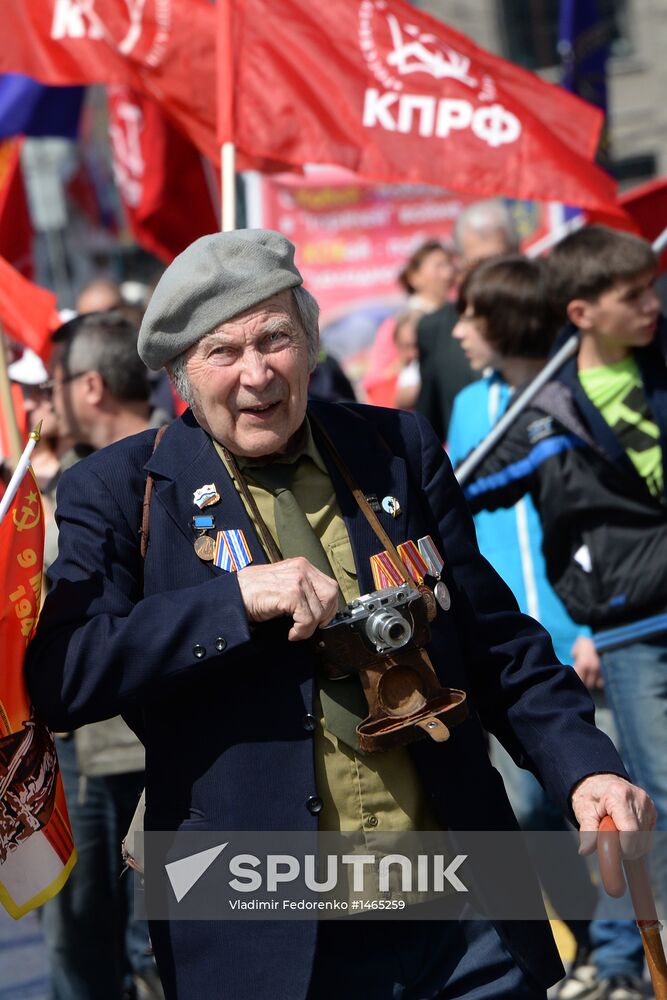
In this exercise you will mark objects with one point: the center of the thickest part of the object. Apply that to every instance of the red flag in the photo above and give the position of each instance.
(162, 47)
(393, 94)
(160, 176)
(36, 847)
(15, 225)
(647, 204)
(27, 312)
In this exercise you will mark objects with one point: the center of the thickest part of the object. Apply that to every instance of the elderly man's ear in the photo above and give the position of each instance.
(93, 387)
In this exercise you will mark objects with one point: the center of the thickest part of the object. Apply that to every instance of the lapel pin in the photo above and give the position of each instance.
(206, 495)
(391, 506)
(373, 502)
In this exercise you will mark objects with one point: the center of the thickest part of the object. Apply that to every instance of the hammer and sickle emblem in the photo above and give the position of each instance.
(28, 517)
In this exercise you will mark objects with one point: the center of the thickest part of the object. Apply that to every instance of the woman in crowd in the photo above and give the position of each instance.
(428, 278)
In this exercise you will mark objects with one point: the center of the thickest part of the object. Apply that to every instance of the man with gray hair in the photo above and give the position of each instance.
(262, 515)
(100, 384)
(483, 229)
(100, 395)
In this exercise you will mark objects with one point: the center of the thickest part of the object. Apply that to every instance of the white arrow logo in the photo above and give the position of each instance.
(186, 872)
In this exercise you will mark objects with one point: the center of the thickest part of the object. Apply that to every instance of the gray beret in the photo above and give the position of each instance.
(214, 279)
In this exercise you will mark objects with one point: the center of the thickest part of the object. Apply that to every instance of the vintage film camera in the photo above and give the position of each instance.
(381, 636)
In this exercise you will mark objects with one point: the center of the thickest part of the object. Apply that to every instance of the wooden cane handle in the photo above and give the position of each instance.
(612, 866)
(609, 857)
(609, 851)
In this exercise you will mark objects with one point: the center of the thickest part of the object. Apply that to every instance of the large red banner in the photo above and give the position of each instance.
(164, 48)
(388, 92)
(163, 183)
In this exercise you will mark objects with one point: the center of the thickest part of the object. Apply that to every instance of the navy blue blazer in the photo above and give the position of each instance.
(221, 709)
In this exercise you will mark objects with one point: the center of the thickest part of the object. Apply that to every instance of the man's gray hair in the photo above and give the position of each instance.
(485, 217)
(105, 342)
(307, 313)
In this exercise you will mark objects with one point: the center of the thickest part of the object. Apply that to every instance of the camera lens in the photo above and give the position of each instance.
(388, 629)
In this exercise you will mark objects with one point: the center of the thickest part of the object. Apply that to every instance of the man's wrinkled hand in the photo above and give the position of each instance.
(631, 809)
(292, 587)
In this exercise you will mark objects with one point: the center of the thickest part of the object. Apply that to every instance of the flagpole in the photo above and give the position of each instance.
(466, 468)
(19, 471)
(557, 234)
(660, 242)
(226, 134)
(228, 182)
(7, 404)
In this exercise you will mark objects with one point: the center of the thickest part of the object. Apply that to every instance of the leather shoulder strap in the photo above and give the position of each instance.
(146, 508)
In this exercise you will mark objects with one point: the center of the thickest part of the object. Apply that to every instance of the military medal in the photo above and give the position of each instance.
(417, 568)
(231, 551)
(414, 561)
(435, 564)
(205, 547)
(431, 556)
(205, 496)
(441, 592)
(385, 573)
(391, 506)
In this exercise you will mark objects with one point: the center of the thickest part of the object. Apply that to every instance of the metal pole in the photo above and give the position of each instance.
(19, 471)
(467, 467)
(228, 182)
(660, 242)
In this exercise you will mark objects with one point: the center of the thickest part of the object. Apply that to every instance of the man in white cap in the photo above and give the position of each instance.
(259, 515)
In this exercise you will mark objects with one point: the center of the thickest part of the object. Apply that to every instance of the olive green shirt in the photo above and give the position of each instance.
(376, 793)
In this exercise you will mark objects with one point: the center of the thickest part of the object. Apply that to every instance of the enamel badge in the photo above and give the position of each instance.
(391, 506)
(205, 496)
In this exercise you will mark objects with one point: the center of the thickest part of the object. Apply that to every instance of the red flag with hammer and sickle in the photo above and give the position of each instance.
(395, 95)
(36, 846)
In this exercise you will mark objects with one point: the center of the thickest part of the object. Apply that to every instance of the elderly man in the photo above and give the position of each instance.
(100, 395)
(204, 644)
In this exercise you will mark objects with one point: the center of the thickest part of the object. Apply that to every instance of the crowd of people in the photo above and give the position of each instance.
(569, 510)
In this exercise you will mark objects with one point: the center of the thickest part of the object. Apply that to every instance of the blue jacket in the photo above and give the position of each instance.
(220, 708)
(511, 539)
(604, 533)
